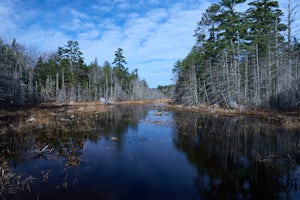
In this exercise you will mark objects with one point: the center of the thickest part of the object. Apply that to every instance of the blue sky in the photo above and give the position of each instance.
(153, 34)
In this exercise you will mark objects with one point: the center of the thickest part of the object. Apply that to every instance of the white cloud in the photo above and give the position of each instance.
(157, 15)
(152, 42)
(123, 4)
(152, 37)
(102, 8)
(45, 40)
(77, 14)
(7, 18)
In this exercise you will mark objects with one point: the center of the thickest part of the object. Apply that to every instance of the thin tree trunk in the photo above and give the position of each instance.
(238, 70)
(277, 61)
(227, 77)
(246, 80)
(257, 100)
(57, 86)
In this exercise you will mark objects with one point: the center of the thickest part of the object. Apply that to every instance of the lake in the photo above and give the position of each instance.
(150, 152)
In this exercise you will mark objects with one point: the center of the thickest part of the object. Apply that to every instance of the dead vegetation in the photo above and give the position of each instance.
(157, 102)
(58, 115)
(48, 115)
(11, 183)
(288, 120)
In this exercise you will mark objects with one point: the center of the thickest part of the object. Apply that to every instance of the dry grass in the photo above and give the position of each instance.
(155, 102)
(47, 115)
(58, 115)
(86, 107)
(288, 120)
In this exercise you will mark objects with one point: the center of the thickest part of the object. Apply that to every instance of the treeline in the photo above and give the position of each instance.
(64, 77)
(245, 58)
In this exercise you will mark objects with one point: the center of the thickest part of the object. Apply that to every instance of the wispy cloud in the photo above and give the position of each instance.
(152, 41)
(153, 34)
(101, 8)
(7, 18)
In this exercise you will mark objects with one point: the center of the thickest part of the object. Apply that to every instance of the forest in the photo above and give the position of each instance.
(242, 58)
(64, 77)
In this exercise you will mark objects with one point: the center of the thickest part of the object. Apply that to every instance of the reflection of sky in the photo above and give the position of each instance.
(143, 163)
(199, 156)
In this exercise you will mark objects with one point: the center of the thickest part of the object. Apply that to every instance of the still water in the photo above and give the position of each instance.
(150, 152)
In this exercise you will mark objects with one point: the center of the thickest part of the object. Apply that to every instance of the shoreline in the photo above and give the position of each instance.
(286, 119)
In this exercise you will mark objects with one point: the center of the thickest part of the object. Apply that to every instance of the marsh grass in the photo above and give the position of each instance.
(11, 183)
(48, 115)
(58, 115)
(156, 102)
(289, 120)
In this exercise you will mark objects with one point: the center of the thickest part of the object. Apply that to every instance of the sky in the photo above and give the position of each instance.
(153, 34)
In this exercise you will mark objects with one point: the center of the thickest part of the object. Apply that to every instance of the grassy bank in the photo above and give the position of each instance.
(287, 119)
(58, 115)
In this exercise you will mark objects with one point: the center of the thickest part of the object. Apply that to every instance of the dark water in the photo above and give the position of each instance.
(148, 152)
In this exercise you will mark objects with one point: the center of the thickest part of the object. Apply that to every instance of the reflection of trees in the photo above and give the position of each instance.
(238, 157)
(116, 121)
(67, 140)
(13, 149)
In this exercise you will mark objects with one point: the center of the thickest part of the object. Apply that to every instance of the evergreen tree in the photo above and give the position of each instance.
(240, 58)
(120, 72)
(206, 32)
(64, 77)
(230, 24)
(264, 21)
(119, 60)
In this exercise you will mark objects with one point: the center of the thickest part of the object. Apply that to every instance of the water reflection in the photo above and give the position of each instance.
(57, 149)
(240, 158)
(148, 152)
